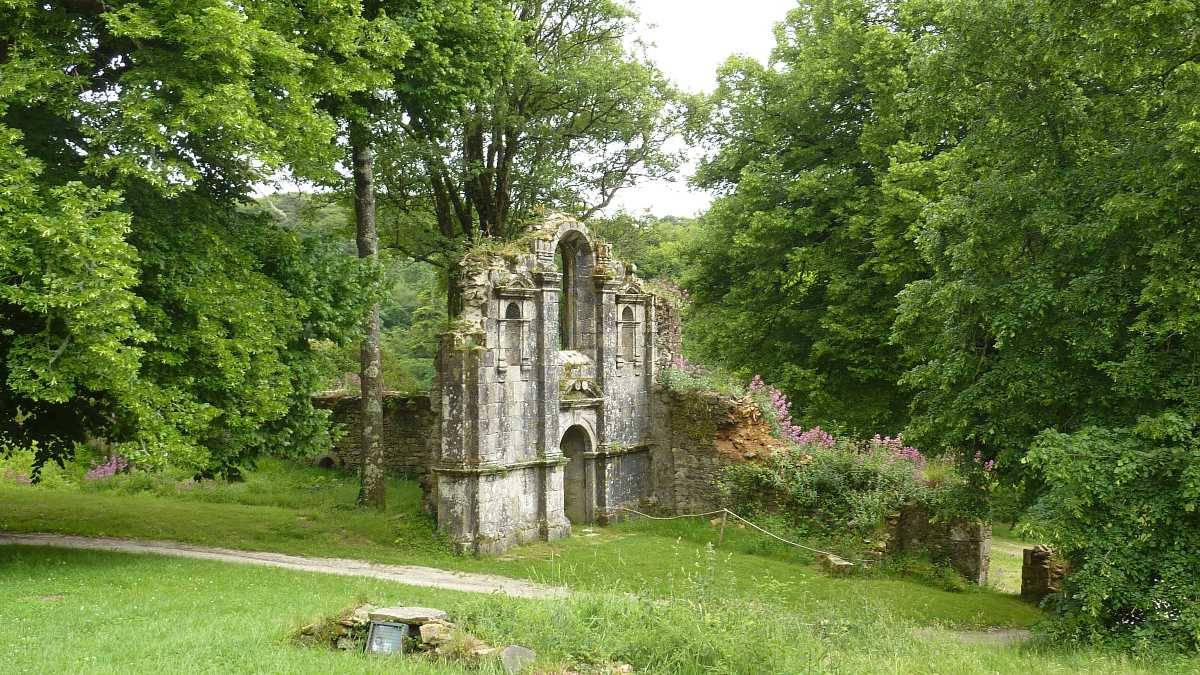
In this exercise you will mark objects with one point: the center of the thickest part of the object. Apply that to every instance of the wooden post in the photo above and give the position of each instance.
(721, 536)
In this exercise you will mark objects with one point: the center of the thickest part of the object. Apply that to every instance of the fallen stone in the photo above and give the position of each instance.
(361, 616)
(516, 658)
(436, 633)
(345, 644)
(836, 566)
(413, 616)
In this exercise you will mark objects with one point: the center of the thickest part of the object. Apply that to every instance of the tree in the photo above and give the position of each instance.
(655, 245)
(456, 46)
(1059, 225)
(795, 273)
(150, 312)
(1057, 150)
(574, 118)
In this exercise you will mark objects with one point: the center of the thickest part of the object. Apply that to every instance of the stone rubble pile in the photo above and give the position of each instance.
(430, 632)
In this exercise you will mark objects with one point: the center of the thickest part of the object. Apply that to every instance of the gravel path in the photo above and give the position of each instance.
(404, 574)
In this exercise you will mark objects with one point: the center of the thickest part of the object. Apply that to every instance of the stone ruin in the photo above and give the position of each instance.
(544, 391)
(546, 410)
(1042, 573)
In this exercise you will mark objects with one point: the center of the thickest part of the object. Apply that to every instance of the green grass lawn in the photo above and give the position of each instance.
(86, 611)
(699, 610)
(296, 509)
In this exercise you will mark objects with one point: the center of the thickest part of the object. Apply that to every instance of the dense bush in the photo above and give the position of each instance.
(834, 486)
(1122, 507)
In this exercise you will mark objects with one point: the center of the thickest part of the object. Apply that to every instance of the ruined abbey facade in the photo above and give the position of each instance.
(544, 391)
(545, 411)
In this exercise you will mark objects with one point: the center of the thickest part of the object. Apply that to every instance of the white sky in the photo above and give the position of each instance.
(689, 40)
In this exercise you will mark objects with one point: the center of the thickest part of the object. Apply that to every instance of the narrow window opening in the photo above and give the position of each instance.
(628, 336)
(513, 334)
(566, 303)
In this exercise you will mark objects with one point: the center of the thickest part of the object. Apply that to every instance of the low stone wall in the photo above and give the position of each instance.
(964, 545)
(409, 431)
(701, 433)
(1041, 574)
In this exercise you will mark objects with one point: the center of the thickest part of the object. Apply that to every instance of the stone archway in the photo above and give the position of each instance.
(575, 443)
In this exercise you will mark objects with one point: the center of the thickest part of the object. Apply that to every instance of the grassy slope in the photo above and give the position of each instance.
(77, 611)
(302, 511)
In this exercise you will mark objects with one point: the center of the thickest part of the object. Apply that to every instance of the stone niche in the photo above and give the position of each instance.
(543, 391)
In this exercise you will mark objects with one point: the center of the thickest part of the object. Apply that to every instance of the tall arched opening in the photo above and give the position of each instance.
(575, 444)
(576, 328)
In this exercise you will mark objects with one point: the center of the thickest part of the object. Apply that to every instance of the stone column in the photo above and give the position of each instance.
(608, 386)
(552, 518)
(458, 397)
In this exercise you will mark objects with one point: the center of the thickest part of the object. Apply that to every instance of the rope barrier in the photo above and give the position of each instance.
(731, 513)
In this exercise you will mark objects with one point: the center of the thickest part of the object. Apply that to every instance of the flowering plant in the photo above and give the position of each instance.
(775, 405)
(115, 464)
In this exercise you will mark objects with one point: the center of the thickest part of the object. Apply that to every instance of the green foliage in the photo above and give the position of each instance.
(976, 220)
(412, 301)
(655, 245)
(798, 263)
(1058, 220)
(137, 304)
(685, 377)
(1121, 507)
(576, 113)
(836, 490)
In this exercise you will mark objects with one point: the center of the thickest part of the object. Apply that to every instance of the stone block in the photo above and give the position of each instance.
(516, 659)
(413, 616)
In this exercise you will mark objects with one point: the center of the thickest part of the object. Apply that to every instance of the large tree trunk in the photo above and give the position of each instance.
(373, 490)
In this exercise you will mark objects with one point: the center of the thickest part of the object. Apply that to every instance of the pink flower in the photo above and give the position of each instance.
(895, 447)
(115, 464)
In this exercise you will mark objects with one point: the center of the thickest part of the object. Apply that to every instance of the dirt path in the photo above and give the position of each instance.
(404, 574)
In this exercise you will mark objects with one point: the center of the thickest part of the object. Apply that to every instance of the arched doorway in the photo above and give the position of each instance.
(574, 444)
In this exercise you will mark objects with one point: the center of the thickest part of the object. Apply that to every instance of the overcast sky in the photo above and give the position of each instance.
(690, 39)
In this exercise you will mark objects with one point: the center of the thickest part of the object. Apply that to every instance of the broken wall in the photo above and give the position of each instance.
(409, 431)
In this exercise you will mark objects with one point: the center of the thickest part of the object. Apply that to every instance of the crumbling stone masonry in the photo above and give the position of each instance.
(966, 545)
(544, 390)
(409, 429)
(1041, 573)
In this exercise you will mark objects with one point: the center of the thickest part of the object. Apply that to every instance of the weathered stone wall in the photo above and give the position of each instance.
(668, 334)
(409, 431)
(544, 391)
(690, 462)
(700, 433)
(965, 545)
(1041, 574)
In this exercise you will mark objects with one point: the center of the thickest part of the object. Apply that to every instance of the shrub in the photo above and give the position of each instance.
(840, 488)
(1121, 506)
(847, 489)
(116, 464)
(684, 376)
